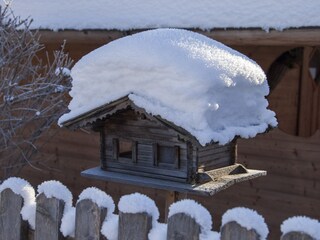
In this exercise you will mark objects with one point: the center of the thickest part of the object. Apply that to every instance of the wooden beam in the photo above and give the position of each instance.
(253, 37)
(305, 96)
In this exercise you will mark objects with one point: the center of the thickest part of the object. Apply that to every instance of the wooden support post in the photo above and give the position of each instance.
(171, 197)
(48, 218)
(11, 224)
(233, 231)
(305, 107)
(134, 226)
(296, 236)
(182, 226)
(89, 218)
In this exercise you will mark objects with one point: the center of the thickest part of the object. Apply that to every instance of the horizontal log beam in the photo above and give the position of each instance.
(256, 37)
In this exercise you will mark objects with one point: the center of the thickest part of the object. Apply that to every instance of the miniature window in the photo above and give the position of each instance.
(124, 149)
(167, 156)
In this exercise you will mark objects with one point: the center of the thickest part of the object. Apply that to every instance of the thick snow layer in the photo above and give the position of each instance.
(302, 224)
(99, 197)
(158, 232)
(68, 222)
(194, 210)
(139, 203)
(210, 236)
(57, 190)
(26, 191)
(248, 219)
(205, 87)
(109, 227)
(141, 14)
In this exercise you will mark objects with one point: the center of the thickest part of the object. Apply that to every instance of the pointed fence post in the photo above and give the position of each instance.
(11, 224)
(233, 231)
(89, 218)
(48, 218)
(182, 226)
(134, 226)
(297, 236)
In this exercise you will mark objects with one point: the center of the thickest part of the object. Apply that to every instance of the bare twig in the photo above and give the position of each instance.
(32, 92)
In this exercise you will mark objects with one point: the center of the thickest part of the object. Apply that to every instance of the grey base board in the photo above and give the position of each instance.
(207, 189)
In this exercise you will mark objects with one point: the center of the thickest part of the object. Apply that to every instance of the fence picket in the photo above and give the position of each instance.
(11, 224)
(233, 231)
(134, 226)
(296, 236)
(48, 218)
(89, 218)
(182, 226)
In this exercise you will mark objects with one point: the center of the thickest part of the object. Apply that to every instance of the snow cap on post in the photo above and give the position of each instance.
(139, 203)
(201, 85)
(23, 188)
(195, 210)
(302, 224)
(248, 219)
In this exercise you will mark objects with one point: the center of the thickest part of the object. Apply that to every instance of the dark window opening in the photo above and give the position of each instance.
(167, 156)
(125, 149)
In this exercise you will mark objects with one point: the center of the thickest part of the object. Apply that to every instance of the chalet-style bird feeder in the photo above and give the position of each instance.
(169, 105)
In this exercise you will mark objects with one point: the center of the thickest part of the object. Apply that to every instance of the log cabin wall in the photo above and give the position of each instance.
(292, 186)
(216, 156)
(153, 149)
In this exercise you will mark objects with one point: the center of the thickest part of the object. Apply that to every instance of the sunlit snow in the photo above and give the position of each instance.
(199, 84)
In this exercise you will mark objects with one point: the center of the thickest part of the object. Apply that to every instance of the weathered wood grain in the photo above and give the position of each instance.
(296, 236)
(48, 218)
(244, 37)
(134, 226)
(12, 227)
(89, 218)
(182, 227)
(233, 231)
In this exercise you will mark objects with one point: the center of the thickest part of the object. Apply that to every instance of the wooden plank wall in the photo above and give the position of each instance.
(292, 186)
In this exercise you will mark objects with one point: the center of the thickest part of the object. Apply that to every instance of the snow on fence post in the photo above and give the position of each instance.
(92, 208)
(137, 214)
(188, 220)
(182, 226)
(89, 218)
(48, 218)
(12, 225)
(296, 236)
(17, 203)
(300, 228)
(243, 223)
(234, 231)
(52, 200)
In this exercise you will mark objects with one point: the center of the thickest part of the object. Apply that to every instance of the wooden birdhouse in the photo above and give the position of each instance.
(170, 125)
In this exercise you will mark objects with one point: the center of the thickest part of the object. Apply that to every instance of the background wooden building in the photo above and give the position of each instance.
(290, 154)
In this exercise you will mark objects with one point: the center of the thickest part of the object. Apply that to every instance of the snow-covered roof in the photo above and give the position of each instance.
(141, 14)
(201, 85)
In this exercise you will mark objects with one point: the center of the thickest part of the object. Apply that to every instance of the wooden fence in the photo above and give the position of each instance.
(89, 218)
